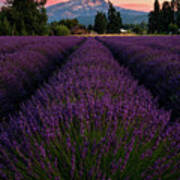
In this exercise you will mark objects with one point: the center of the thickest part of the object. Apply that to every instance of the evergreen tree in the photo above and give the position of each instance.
(167, 18)
(161, 19)
(156, 7)
(173, 10)
(177, 12)
(5, 27)
(28, 16)
(151, 26)
(90, 27)
(114, 20)
(178, 18)
(100, 24)
(118, 21)
(23, 29)
(14, 30)
(155, 18)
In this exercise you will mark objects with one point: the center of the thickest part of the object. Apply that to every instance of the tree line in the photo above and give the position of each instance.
(110, 24)
(165, 19)
(28, 17)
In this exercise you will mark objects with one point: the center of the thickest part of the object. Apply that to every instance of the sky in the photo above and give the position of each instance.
(140, 5)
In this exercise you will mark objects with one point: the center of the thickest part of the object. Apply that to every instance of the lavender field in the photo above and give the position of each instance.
(154, 61)
(25, 62)
(75, 108)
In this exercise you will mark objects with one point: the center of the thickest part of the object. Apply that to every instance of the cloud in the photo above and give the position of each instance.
(129, 4)
(142, 5)
(49, 2)
(137, 6)
(52, 2)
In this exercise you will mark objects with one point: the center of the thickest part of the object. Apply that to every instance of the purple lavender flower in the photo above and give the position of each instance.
(91, 120)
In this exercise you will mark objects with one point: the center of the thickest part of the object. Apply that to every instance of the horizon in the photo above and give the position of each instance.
(138, 5)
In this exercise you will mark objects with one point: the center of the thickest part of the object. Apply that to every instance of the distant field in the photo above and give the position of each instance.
(93, 35)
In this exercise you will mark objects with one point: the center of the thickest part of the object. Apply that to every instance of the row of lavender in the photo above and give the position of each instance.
(25, 63)
(168, 43)
(90, 121)
(155, 61)
(11, 44)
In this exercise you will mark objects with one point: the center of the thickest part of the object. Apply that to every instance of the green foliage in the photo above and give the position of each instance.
(178, 18)
(156, 7)
(56, 29)
(90, 27)
(154, 18)
(70, 23)
(25, 17)
(100, 25)
(13, 30)
(166, 19)
(4, 27)
(173, 28)
(62, 30)
(138, 29)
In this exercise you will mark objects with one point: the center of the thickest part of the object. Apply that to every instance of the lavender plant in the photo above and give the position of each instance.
(90, 121)
(30, 62)
(154, 61)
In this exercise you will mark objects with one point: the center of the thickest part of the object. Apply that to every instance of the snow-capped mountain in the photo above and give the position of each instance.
(85, 11)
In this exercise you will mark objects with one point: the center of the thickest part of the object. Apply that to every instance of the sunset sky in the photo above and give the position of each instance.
(142, 5)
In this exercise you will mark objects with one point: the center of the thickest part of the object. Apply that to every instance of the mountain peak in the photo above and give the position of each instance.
(89, 2)
(86, 10)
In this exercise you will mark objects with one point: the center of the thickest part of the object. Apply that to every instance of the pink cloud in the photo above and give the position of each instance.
(49, 2)
(52, 2)
(136, 6)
